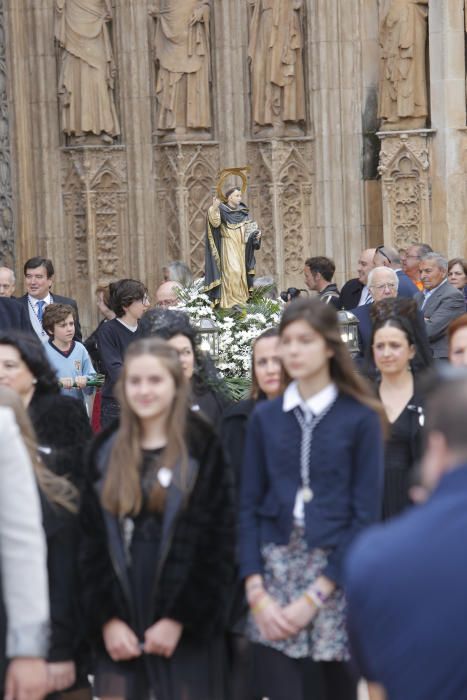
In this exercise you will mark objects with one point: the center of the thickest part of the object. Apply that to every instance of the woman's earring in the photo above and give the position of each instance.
(34, 381)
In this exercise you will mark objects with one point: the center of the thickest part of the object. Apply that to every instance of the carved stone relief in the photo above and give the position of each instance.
(186, 175)
(280, 194)
(403, 100)
(86, 70)
(182, 52)
(404, 169)
(275, 53)
(95, 200)
(7, 231)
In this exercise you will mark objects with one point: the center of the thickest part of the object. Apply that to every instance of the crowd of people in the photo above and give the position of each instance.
(159, 540)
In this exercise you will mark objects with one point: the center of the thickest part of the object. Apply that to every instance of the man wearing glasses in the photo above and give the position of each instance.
(411, 262)
(390, 258)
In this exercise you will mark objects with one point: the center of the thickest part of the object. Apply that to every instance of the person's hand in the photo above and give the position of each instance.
(198, 15)
(120, 641)
(272, 623)
(26, 679)
(163, 637)
(61, 675)
(216, 202)
(66, 382)
(300, 612)
(81, 382)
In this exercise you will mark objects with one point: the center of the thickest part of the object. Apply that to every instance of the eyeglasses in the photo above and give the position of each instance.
(415, 257)
(380, 250)
(380, 287)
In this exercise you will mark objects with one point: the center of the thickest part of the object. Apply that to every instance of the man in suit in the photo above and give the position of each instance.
(406, 580)
(389, 257)
(355, 292)
(440, 302)
(38, 276)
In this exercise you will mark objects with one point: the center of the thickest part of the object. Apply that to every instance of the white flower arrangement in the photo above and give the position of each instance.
(237, 329)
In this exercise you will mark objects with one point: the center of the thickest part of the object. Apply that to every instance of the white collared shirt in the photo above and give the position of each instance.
(33, 316)
(316, 404)
(365, 296)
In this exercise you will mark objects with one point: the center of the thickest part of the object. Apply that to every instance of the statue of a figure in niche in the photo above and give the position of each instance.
(87, 69)
(403, 100)
(183, 63)
(231, 240)
(275, 53)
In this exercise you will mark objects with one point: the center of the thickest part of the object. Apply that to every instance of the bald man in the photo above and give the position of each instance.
(167, 294)
(385, 256)
(355, 292)
(7, 282)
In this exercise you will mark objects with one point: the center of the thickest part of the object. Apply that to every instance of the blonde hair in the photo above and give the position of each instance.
(56, 489)
(122, 493)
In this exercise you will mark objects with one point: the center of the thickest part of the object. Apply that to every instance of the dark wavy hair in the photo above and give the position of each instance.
(167, 323)
(123, 293)
(33, 355)
(402, 313)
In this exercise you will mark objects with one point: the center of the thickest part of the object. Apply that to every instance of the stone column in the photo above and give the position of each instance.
(7, 221)
(448, 110)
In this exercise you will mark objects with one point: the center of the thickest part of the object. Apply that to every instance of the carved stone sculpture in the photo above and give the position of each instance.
(87, 69)
(403, 101)
(275, 52)
(182, 55)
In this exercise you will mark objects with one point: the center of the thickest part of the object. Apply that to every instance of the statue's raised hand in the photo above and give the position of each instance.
(216, 202)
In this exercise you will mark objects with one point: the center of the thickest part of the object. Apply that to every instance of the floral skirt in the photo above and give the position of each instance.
(288, 571)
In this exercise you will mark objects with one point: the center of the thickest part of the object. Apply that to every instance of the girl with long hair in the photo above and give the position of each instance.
(158, 539)
(311, 480)
(395, 349)
(266, 384)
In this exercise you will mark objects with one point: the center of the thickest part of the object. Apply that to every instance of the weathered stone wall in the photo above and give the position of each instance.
(321, 181)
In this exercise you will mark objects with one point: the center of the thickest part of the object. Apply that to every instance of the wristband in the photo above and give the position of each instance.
(261, 604)
(313, 598)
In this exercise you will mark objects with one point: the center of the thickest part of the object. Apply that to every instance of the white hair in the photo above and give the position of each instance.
(382, 269)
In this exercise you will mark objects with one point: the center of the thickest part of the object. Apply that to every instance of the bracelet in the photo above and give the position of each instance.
(313, 599)
(263, 603)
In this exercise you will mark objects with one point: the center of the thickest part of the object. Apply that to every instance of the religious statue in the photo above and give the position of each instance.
(275, 53)
(403, 100)
(87, 69)
(231, 240)
(182, 55)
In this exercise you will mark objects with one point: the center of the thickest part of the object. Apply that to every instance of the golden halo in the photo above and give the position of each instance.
(228, 172)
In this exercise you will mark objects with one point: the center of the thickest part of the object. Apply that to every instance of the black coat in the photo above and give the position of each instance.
(62, 429)
(350, 294)
(233, 433)
(56, 299)
(196, 563)
(13, 315)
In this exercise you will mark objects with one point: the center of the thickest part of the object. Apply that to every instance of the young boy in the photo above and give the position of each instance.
(68, 357)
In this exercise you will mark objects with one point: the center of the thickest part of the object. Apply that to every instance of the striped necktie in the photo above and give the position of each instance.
(40, 309)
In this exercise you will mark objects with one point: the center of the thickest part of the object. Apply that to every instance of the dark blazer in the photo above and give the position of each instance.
(346, 471)
(13, 315)
(56, 299)
(443, 306)
(350, 294)
(194, 573)
(406, 286)
(404, 634)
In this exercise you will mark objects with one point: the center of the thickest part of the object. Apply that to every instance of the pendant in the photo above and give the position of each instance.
(164, 476)
(307, 494)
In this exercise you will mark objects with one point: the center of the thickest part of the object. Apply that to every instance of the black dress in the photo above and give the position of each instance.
(402, 450)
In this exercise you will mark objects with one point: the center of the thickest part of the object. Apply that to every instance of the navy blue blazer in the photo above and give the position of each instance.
(56, 299)
(406, 584)
(13, 315)
(406, 286)
(346, 470)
